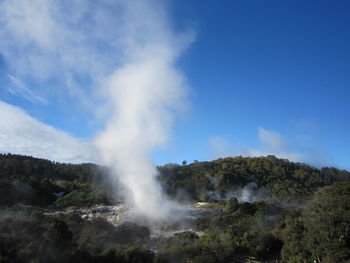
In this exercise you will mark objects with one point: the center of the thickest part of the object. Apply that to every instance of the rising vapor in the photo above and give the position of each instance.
(144, 95)
(115, 57)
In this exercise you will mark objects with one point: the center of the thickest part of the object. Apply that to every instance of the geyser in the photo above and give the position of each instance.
(143, 96)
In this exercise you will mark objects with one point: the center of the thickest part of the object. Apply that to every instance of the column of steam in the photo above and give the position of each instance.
(143, 95)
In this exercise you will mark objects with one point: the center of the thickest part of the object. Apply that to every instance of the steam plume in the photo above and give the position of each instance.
(144, 94)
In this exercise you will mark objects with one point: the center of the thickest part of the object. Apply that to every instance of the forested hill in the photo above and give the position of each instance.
(44, 214)
(280, 176)
(33, 181)
(13, 165)
(42, 182)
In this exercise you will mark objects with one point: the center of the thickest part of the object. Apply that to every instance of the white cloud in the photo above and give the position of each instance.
(65, 43)
(18, 88)
(221, 147)
(271, 140)
(22, 134)
(270, 143)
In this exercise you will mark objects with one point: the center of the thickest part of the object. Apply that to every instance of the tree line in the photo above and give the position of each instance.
(305, 217)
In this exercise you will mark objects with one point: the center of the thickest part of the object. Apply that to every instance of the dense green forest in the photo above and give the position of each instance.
(302, 215)
(284, 179)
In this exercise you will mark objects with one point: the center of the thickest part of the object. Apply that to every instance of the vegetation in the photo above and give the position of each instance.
(322, 230)
(32, 236)
(285, 180)
(40, 182)
(303, 217)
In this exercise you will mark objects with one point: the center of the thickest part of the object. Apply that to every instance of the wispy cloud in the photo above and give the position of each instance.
(18, 88)
(70, 44)
(220, 146)
(22, 134)
(270, 143)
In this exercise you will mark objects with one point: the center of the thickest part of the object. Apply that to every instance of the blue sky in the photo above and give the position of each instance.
(263, 77)
(281, 65)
